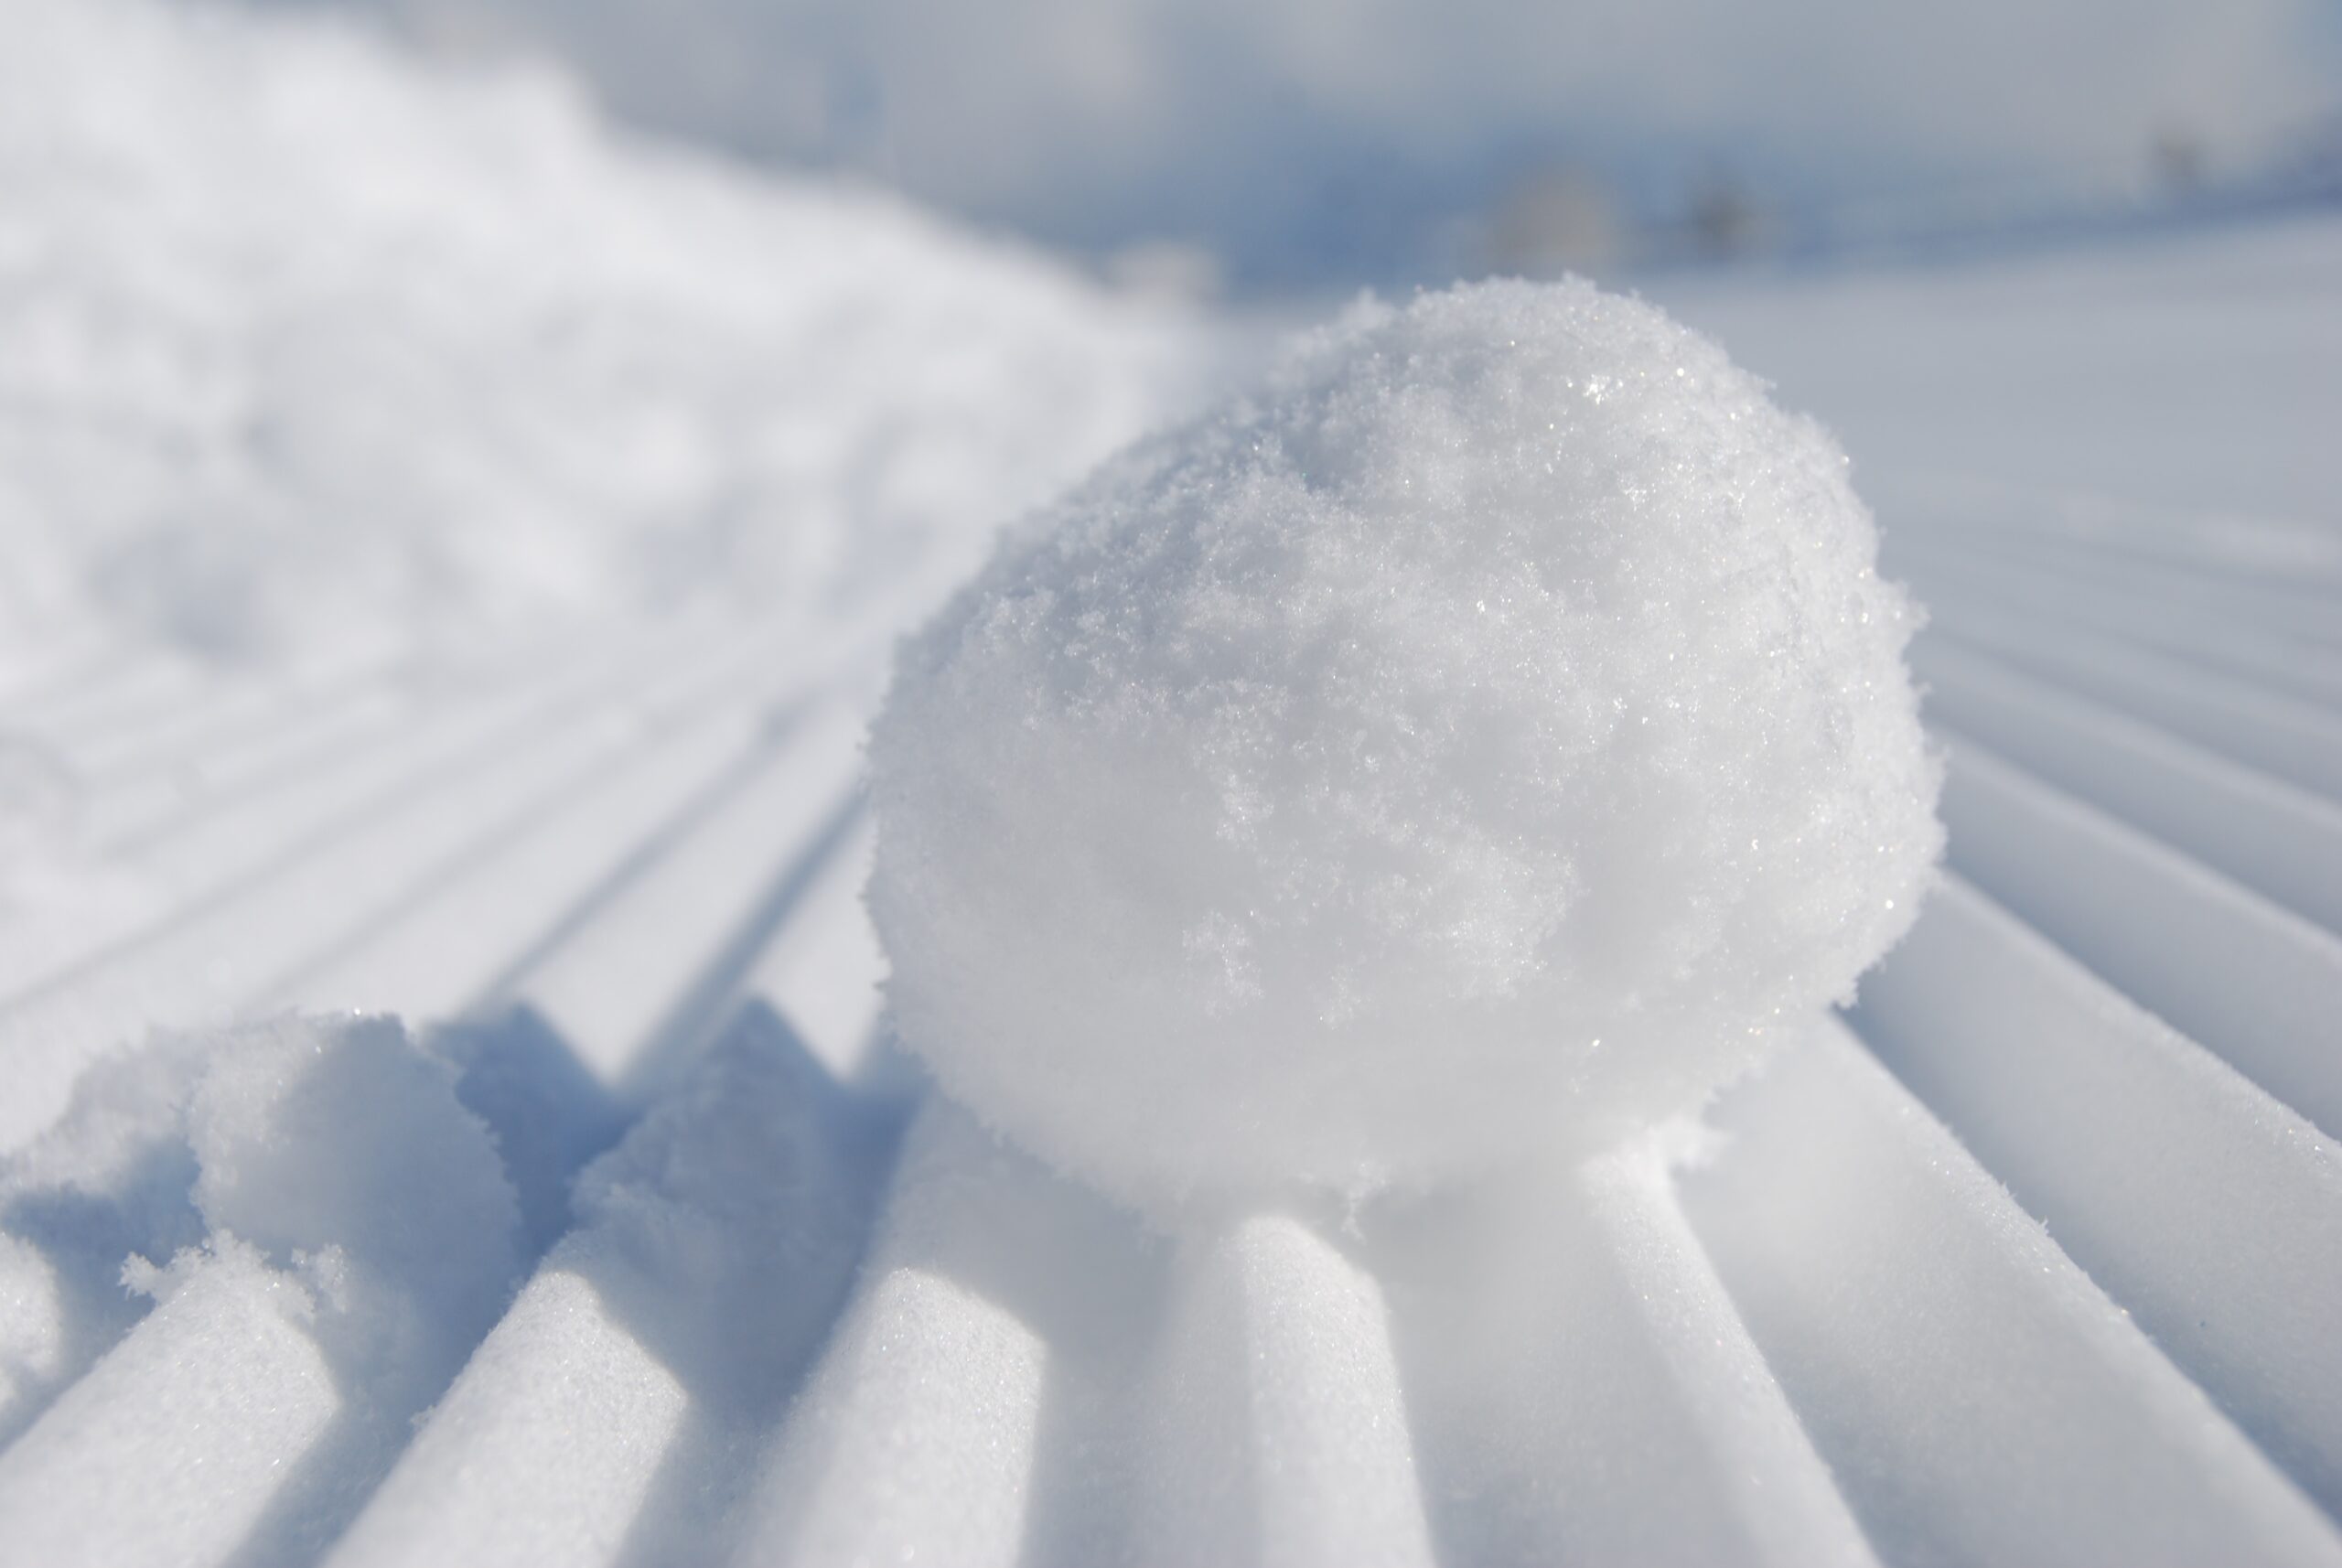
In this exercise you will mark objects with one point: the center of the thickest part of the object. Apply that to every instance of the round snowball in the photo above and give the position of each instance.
(1487, 739)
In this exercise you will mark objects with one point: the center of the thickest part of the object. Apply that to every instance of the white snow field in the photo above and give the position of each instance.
(448, 554)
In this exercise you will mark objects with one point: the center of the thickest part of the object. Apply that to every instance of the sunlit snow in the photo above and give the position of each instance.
(451, 552)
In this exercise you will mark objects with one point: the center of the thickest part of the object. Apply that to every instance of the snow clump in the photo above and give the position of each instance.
(1486, 739)
(331, 1154)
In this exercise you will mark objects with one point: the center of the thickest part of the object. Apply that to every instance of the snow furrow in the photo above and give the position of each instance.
(450, 557)
(2256, 984)
(1276, 1432)
(121, 811)
(355, 1235)
(2200, 592)
(823, 970)
(1581, 1387)
(646, 977)
(211, 958)
(2193, 1199)
(520, 891)
(659, 1338)
(2291, 553)
(563, 1394)
(378, 716)
(173, 1449)
(956, 1414)
(1979, 1399)
(209, 859)
(2004, 609)
(2293, 740)
(326, 788)
(2274, 837)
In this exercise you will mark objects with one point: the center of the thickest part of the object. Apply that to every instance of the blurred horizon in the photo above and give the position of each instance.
(1205, 147)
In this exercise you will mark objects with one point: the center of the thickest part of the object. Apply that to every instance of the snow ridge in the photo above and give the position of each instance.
(660, 1248)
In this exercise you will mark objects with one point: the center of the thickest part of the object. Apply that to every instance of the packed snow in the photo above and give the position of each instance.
(1481, 739)
(324, 1231)
(448, 553)
(340, 385)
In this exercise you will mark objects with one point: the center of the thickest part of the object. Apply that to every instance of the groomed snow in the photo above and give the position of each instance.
(654, 1249)
(343, 400)
(1480, 740)
(325, 1233)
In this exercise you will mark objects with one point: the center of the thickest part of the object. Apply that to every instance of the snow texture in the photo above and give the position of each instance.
(1860, 1259)
(1479, 741)
(324, 1231)
(290, 320)
(712, 1251)
(2039, 1268)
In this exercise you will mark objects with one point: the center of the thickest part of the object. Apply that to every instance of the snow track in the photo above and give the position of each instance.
(2035, 1260)
(2034, 1257)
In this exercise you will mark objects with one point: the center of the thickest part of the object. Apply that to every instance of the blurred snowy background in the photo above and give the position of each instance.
(379, 326)
(1302, 144)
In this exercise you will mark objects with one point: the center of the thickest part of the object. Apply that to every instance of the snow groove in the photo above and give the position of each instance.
(2255, 982)
(2139, 1149)
(633, 885)
(2034, 1259)
(1867, 1263)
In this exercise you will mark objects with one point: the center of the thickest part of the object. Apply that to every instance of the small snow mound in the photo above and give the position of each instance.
(331, 1154)
(312, 1134)
(1478, 742)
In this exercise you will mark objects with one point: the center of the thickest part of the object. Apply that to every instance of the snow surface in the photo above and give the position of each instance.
(1481, 740)
(642, 1243)
(285, 317)
(325, 1234)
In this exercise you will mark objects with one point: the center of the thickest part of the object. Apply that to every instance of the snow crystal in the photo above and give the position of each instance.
(1481, 740)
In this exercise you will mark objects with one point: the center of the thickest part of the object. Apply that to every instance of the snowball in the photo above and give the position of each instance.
(1481, 741)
